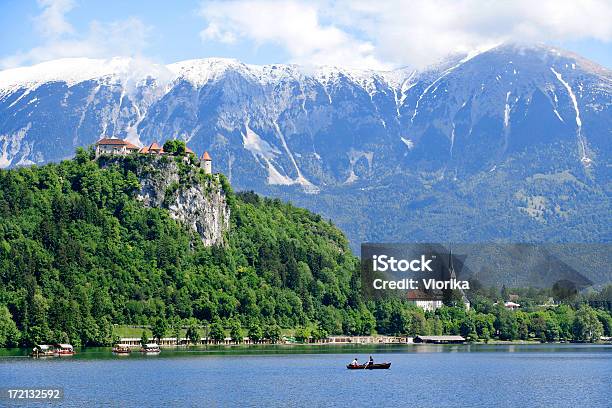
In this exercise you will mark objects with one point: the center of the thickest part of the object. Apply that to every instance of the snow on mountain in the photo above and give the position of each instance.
(303, 130)
(120, 92)
(200, 71)
(73, 71)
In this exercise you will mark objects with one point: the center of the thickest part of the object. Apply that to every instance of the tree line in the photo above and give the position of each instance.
(80, 254)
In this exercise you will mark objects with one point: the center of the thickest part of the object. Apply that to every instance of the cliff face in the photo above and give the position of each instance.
(195, 199)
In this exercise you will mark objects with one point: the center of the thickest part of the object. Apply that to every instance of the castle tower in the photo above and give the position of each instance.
(206, 163)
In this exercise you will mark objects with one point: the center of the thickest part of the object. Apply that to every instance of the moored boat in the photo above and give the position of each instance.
(43, 350)
(150, 348)
(378, 366)
(122, 349)
(64, 350)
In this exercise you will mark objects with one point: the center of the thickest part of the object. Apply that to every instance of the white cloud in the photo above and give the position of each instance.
(358, 33)
(295, 26)
(398, 32)
(423, 31)
(52, 21)
(214, 32)
(60, 40)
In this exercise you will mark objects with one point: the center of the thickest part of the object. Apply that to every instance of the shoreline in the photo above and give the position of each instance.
(24, 352)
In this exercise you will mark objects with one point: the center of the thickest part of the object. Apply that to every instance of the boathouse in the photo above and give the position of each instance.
(439, 339)
(366, 340)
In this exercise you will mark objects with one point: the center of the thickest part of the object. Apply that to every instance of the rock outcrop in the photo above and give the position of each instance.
(192, 197)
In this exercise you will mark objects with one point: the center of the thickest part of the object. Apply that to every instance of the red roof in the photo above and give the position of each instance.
(206, 157)
(155, 146)
(418, 295)
(109, 141)
(188, 150)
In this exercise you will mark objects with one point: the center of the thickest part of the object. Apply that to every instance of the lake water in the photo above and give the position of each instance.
(420, 376)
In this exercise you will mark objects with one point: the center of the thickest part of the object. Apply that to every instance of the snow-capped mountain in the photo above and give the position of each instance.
(511, 112)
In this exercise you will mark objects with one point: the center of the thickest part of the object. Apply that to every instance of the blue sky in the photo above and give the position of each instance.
(354, 33)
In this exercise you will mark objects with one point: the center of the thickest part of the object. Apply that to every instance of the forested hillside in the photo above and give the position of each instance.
(80, 251)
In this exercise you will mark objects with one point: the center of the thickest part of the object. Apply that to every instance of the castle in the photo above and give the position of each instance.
(120, 147)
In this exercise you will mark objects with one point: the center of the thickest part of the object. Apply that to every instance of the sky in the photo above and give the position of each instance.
(356, 33)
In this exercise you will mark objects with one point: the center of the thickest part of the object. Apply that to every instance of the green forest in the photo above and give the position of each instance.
(80, 254)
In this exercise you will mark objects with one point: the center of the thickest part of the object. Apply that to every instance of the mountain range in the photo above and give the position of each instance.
(508, 145)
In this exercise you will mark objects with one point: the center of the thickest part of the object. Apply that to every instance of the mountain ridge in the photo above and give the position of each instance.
(80, 69)
(494, 120)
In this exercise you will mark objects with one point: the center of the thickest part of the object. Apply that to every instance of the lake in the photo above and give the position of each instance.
(420, 376)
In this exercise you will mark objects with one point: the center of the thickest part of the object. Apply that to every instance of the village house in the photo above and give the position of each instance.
(423, 300)
(511, 305)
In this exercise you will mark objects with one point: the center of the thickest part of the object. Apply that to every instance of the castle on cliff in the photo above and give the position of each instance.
(120, 147)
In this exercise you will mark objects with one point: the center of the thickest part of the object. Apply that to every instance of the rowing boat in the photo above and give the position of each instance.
(379, 366)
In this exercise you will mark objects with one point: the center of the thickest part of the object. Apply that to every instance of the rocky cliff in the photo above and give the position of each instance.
(192, 197)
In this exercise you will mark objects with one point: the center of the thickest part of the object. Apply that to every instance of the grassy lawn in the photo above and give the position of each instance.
(127, 331)
(288, 332)
(136, 332)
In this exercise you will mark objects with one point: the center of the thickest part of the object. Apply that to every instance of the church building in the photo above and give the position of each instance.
(424, 301)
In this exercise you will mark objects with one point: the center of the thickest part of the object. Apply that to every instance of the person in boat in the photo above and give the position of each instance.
(370, 362)
(355, 363)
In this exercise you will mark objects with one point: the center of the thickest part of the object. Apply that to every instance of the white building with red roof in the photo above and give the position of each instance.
(511, 305)
(113, 146)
